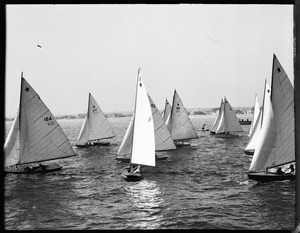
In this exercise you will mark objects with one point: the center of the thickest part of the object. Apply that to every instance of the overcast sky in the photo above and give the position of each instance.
(205, 52)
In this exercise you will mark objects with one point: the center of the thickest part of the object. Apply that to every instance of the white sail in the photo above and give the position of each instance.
(180, 125)
(95, 126)
(216, 123)
(12, 145)
(283, 106)
(84, 132)
(254, 137)
(167, 111)
(143, 147)
(163, 138)
(99, 126)
(126, 145)
(221, 126)
(41, 137)
(266, 137)
(231, 121)
(255, 115)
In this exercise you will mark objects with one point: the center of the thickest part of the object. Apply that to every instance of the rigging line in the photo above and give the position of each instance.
(159, 127)
(42, 115)
(51, 130)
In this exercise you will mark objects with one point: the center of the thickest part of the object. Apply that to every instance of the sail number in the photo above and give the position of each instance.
(94, 111)
(49, 121)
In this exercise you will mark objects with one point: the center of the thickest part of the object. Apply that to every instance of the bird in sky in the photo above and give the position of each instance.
(39, 46)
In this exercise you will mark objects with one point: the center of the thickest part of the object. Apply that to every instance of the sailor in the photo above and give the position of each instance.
(43, 167)
(279, 171)
(137, 170)
(132, 168)
(28, 168)
(291, 169)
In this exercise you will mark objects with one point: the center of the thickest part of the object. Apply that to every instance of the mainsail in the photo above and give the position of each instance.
(40, 136)
(277, 148)
(231, 120)
(143, 145)
(282, 98)
(163, 138)
(95, 126)
(180, 125)
(167, 111)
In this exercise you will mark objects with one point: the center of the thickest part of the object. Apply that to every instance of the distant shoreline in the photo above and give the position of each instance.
(241, 116)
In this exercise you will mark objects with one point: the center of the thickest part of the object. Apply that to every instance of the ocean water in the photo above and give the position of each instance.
(205, 187)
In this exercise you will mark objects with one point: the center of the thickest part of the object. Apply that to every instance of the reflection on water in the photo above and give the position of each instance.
(146, 200)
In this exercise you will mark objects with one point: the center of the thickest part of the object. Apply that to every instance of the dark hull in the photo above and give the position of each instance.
(94, 144)
(36, 169)
(101, 144)
(268, 177)
(249, 152)
(129, 176)
(245, 122)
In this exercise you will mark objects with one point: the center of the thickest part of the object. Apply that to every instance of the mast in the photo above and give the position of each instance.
(263, 104)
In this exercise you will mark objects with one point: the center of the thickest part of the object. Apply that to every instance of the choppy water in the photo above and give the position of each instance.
(205, 187)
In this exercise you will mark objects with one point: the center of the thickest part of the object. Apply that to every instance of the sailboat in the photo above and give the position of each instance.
(143, 138)
(276, 147)
(95, 129)
(35, 137)
(254, 137)
(228, 124)
(163, 138)
(167, 110)
(179, 124)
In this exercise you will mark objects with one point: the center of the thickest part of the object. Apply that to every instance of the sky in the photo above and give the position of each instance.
(203, 51)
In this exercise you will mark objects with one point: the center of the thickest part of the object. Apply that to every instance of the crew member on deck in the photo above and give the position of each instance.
(279, 171)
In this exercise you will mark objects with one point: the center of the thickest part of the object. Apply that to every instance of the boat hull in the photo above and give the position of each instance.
(202, 129)
(269, 177)
(93, 144)
(36, 169)
(101, 144)
(182, 144)
(245, 122)
(130, 176)
(249, 152)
